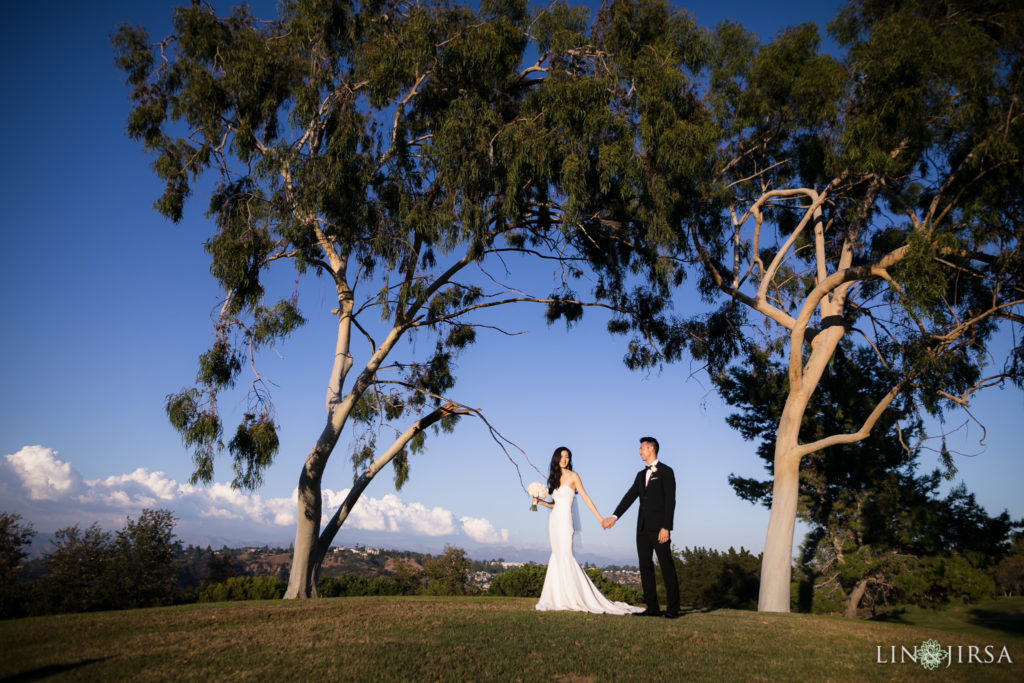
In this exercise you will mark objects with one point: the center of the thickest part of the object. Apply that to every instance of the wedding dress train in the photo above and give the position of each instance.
(566, 585)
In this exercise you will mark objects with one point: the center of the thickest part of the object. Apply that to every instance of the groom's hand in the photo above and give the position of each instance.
(663, 536)
(608, 522)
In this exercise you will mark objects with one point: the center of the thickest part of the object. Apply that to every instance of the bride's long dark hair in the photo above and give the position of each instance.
(555, 471)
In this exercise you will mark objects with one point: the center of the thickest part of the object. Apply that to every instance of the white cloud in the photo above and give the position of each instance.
(42, 474)
(140, 489)
(482, 531)
(391, 514)
(36, 474)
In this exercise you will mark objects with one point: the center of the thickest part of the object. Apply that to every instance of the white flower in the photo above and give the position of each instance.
(537, 490)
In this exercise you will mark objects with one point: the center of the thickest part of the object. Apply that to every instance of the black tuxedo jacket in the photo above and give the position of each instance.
(657, 499)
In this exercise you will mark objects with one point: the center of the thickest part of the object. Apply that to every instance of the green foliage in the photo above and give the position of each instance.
(391, 149)
(351, 585)
(243, 588)
(924, 283)
(82, 576)
(92, 569)
(15, 536)
(528, 582)
(254, 446)
(448, 574)
(613, 590)
(145, 551)
(522, 582)
(219, 366)
(709, 579)
(1009, 575)
(912, 136)
(200, 429)
(408, 578)
(276, 323)
(873, 518)
(954, 578)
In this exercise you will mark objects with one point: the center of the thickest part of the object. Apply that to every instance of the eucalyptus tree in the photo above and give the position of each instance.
(412, 154)
(872, 515)
(875, 198)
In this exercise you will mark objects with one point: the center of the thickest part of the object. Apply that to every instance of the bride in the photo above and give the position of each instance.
(566, 585)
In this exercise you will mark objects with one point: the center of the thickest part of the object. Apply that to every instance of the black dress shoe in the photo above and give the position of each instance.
(647, 613)
(670, 615)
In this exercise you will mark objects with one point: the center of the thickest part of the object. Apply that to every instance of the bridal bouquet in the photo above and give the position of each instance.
(537, 490)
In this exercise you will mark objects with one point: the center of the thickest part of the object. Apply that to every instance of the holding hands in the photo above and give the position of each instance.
(608, 522)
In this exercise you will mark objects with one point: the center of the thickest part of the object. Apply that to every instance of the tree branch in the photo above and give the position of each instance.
(343, 511)
(860, 434)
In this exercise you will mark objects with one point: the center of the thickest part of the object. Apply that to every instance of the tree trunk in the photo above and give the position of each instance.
(776, 563)
(310, 545)
(305, 563)
(855, 597)
(306, 555)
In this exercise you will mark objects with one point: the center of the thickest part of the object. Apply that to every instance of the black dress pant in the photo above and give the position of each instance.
(646, 543)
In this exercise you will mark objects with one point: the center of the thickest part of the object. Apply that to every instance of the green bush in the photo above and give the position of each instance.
(15, 537)
(528, 581)
(1009, 575)
(93, 569)
(613, 590)
(353, 585)
(712, 579)
(448, 574)
(523, 582)
(955, 579)
(243, 588)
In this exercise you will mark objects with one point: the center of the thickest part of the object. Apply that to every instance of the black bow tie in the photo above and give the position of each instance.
(650, 467)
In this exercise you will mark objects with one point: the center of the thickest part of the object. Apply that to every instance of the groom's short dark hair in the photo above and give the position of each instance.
(651, 440)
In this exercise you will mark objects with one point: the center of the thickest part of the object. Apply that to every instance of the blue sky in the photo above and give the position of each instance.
(107, 306)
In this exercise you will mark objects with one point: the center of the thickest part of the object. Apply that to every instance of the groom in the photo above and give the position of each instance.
(655, 486)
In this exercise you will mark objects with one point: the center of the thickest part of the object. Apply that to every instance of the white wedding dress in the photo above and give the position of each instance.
(566, 585)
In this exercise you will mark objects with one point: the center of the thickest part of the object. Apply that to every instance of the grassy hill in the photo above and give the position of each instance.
(421, 638)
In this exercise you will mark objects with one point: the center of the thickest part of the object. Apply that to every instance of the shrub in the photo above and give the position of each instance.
(354, 585)
(524, 582)
(448, 574)
(82, 576)
(711, 579)
(144, 552)
(613, 590)
(243, 588)
(1009, 575)
(15, 536)
(95, 570)
(954, 578)
(528, 581)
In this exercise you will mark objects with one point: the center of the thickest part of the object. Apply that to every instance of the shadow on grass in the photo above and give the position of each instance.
(52, 670)
(894, 616)
(698, 610)
(1012, 623)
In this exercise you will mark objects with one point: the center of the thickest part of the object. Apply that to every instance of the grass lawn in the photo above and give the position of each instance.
(477, 639)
